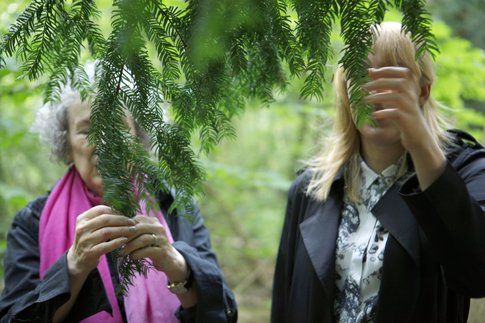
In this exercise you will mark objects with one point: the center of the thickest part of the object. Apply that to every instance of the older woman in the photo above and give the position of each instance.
(388, 223)
(59, 264)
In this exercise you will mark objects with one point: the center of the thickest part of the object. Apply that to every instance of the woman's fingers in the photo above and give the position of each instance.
(148, 232)
(145, 219)
(110, 233)
(151, 242)
(108, 246)
(384, 98)
(143, 253)
(84, 256)
(94, 212)
(393, 78)
(99, 231)
(394, 93)
(382, 84)
(389, 114)
(390, 72)
(108, 220)
(142, 241)
(148, 225)
(105, 227)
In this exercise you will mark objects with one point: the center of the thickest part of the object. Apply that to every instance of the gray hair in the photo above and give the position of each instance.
(52, 125)
(52, 119)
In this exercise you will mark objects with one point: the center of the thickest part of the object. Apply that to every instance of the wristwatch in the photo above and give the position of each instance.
(181, 287)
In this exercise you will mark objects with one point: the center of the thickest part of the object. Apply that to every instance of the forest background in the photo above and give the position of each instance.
(248, 176)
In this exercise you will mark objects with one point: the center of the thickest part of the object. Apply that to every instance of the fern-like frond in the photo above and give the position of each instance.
(417, 21)
(315, 20)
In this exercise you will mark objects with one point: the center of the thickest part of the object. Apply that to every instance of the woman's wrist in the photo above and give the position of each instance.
(176, 267)
(429, 162)
(75, 270)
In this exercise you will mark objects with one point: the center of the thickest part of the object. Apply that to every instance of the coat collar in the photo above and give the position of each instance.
(395, 216)
(319, 234)
(320, 227)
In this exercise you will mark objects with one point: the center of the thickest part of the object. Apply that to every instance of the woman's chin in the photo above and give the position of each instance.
(381, 134)
(96, 185)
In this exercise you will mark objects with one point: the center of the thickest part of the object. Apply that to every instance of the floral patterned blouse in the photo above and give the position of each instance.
(360, 248)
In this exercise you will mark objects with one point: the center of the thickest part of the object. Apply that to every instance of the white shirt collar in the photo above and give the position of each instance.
(369, 176)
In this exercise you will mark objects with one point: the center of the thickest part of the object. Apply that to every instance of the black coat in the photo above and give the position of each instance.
(434, 259)
(26, 298)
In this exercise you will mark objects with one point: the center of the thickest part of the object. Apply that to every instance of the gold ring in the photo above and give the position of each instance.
(154, 244)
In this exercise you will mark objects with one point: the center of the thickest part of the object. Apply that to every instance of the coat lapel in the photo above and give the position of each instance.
(399, 288)
(319, 234)
(395, 216)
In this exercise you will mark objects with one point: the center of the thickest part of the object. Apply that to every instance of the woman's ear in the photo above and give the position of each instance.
(425, 93)
(68, 159)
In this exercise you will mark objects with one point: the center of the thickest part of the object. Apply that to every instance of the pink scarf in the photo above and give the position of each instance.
(148, 300)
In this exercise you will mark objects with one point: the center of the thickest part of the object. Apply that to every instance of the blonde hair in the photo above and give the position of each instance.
(342, 146)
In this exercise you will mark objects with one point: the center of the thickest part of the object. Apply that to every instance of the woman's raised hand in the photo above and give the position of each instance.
(98, 231)
(401, 97)
(397, 90)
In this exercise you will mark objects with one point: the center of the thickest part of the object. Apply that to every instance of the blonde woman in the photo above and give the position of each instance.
(388, 223)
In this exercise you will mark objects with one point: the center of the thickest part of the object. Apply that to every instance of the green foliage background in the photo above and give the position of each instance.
(248, 176)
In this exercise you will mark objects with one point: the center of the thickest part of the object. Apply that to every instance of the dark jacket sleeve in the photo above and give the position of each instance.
(451, 213)
(28, 298)
(215, 301)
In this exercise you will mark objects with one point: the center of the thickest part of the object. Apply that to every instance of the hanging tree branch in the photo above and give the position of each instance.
(213, 56)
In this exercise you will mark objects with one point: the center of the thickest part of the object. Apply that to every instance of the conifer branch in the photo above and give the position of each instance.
(416, 20)
(314, 28)
(214, 55)
(162, 9)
